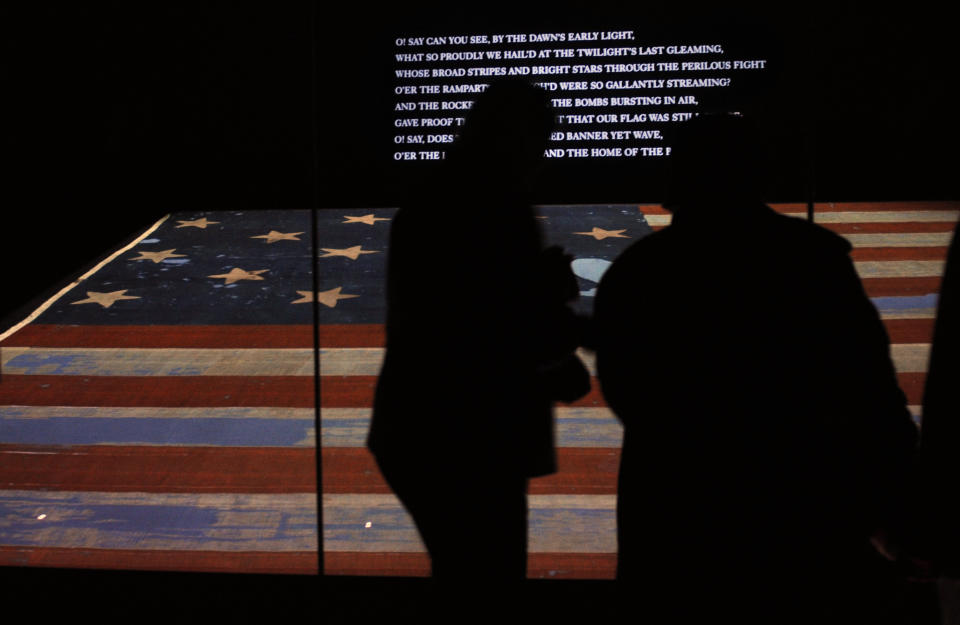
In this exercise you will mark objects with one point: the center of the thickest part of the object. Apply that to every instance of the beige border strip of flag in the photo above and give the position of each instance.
(50, 302)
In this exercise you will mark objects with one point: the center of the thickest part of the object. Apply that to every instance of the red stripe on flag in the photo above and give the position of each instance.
(653, 209)
(344, 470)
(922, 205)
(899, 253)
(909, 330)
(186, 391)
(353, 335)
(801, 207)
(376, 563)
(784, 207)
(891, 287)
(889, 227)
(346, 335)
(281, 562)
(225, 391)
(880, 227)
(46, 335)
(912, 386)
(203, 336)
(165, 469)
(581, 471)
(572, 565)
(877, 227)
(539, 565)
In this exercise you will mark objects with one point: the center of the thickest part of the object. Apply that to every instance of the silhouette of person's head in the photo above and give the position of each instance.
(715, 163)
(506, 129)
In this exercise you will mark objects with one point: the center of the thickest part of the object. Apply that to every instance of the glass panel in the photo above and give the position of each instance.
(366, 530)
(159, 414)
(899, 251)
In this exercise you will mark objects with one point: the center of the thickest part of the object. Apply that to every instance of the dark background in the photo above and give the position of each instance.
(857, 105)
(118, 113)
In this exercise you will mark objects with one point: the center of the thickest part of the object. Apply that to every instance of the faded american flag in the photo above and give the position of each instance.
(159, 414)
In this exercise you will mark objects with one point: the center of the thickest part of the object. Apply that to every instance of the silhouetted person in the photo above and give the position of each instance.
(765, 435)
(935, 535)
(478, 332)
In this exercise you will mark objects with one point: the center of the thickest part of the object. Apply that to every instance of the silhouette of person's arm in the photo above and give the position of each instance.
(616, 331)
(564, 376)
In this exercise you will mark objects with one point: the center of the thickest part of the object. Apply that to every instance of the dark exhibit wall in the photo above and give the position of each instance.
(221, 105)
(119, 113)
(884, 97)
(184, 105)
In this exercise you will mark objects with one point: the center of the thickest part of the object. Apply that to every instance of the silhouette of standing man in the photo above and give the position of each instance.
(478, 331)
(765, 436)
(935, 537)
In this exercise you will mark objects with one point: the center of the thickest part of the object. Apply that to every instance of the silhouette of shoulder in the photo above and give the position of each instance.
(763, 230)
(813, 237)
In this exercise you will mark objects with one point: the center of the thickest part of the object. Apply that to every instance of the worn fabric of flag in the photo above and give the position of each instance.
(159, 414)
